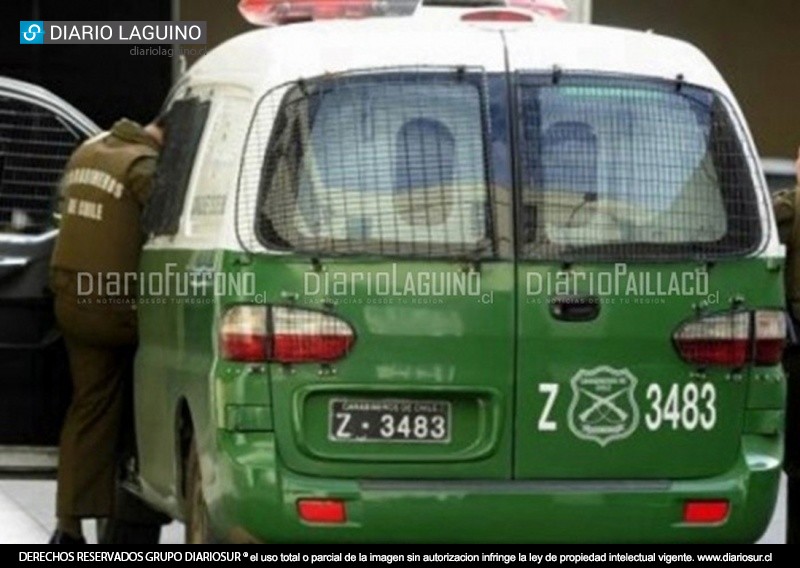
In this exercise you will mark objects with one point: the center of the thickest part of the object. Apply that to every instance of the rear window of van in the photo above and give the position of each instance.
(626, 169)
(600, 168)
(384, 164)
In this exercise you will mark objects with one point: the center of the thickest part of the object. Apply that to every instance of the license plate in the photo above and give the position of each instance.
(389, 420)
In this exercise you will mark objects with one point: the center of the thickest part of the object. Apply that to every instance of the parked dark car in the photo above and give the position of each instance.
(38, 131)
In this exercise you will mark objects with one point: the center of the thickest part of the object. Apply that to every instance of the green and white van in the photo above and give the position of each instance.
(469, 275)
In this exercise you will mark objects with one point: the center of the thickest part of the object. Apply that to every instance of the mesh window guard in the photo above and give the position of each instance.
(625, 169)
(384, 162)
(395, 163)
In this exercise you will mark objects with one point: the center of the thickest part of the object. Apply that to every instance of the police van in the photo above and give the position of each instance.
(462, 273)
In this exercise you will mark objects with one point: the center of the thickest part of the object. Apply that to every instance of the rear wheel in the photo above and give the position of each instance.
(197, 527)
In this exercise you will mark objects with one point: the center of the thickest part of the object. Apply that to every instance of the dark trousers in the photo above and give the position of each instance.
(101, 343)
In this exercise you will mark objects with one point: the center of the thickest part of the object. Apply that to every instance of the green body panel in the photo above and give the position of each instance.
(174, 363)
(453, 348)
(254, 493)
(633, 331)
(262, 429)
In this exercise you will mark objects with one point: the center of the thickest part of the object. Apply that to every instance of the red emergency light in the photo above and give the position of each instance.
(556, 9)
(277, 12)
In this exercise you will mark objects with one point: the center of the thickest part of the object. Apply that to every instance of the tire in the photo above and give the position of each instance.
(117, 531)
(198, 530)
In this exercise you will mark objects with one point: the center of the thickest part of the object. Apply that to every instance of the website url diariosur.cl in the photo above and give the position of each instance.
(731, 557)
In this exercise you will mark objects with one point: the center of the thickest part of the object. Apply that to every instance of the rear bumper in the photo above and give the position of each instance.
(252, 497)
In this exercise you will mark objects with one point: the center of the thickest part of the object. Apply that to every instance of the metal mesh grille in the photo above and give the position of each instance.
(395, 163)
(388, 162)
(631, 170)
(34, 148)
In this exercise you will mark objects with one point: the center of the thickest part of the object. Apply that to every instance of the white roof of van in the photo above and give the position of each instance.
(436, 37)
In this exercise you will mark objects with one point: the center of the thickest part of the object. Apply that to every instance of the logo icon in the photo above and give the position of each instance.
(603, 409)
(31, 32)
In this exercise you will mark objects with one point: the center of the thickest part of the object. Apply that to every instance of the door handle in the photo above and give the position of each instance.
(575, 308)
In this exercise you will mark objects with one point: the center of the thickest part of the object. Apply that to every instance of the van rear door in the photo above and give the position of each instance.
(377, 187)
(38, 131)
(637, 217)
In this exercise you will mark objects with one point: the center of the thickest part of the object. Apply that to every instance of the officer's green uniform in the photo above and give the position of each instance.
(787, 213)
(104, 187)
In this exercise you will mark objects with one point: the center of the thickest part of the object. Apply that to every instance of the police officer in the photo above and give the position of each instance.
(787, 213)
(105, 185)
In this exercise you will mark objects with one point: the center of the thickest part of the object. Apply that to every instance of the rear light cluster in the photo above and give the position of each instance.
(733, 339)
(324, 511)
(705, 512)
(283, 334)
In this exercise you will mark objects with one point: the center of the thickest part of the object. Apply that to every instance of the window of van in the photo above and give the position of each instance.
(631, 169)
(378, 163)
(184, 126)
(217, 163)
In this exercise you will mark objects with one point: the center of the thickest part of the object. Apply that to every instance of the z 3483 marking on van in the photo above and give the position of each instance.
(606, 410)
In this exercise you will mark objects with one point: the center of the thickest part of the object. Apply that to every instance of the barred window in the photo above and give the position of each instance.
(390, 163)
(396, 163)
(629, 170)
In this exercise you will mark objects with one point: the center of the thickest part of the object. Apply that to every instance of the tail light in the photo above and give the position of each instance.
(243, 334)
(303, 336)
(327, 511)
(733, 339)
(283, 334)
(722, 339)
(705, 512)
(769, 329)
